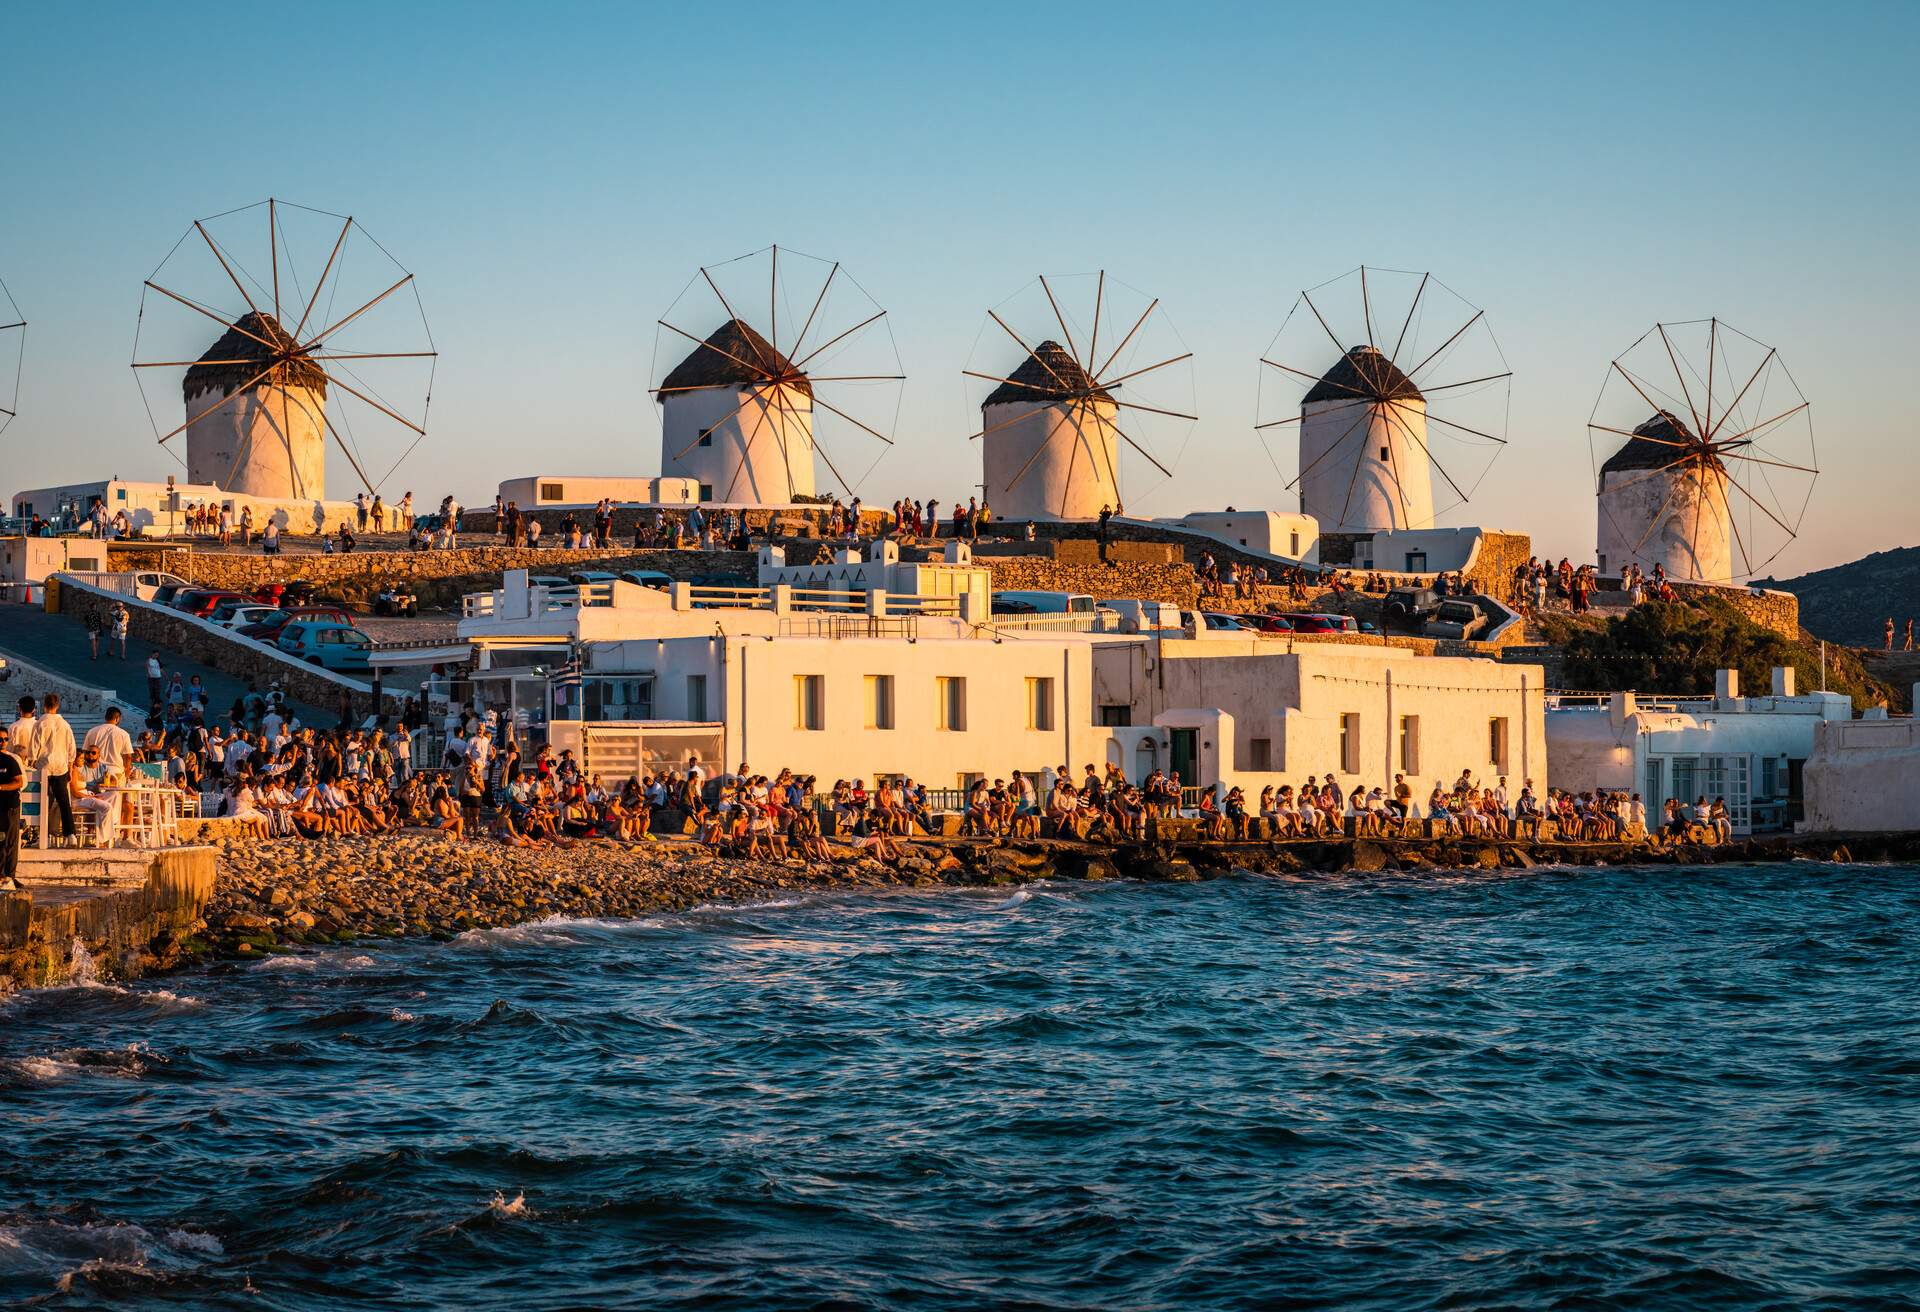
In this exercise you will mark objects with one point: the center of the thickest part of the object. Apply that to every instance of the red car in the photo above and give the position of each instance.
(1310, 623)
(1270, 623)
(203, 601)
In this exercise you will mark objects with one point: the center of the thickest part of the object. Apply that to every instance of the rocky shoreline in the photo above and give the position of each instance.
(277, 895)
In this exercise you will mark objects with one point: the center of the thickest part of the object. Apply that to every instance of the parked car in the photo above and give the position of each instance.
(1456, 619)
(239, 617)
(326, 643)
(1320, 622)
(1409, 608)
(203, 601)
(396, 599)
(1216, 619)
(164, 594)
(648, 578)
(586, 576)
(148, 584)
(268, 627)
(224, 611)
(1270, 623)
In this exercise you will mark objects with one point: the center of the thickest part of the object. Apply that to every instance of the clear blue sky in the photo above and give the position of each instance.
(554, 173)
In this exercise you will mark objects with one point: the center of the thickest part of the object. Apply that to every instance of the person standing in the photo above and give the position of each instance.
(156, 676)
(53, 754)
(360, 507)
(93, 637)
(121, 620)
(1889, 633)
(20, 733)
(270, 539)
(406, 511)
(13, 778)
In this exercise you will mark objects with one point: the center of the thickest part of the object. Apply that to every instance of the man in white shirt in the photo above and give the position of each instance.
(480, 749)
(112, 742)
(238, 750)
(20, 732)
(53, 753)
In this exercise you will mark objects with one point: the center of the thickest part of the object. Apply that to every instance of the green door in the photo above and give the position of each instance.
(1182, 754)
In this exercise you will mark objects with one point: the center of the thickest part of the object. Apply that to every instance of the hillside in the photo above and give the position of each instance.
(1850, 603)
(1675, 647)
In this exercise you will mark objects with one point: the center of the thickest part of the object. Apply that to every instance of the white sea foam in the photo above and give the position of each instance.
(288, 963)
(401, 1017)
(360, 962)
(1019, 896)
(47, 1247)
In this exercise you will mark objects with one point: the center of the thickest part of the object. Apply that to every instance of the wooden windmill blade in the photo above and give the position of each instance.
(307, 362)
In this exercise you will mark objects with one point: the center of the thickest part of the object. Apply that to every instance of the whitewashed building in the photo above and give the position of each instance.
(577, 491)
(1254, 711)
(1752, 751)
(1864, 775)
(158, 507)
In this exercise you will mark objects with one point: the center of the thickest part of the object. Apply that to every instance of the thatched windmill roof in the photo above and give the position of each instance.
(1049, 374)
(1363, 374)
(1640, 453)
(721, 361)
(243, 342)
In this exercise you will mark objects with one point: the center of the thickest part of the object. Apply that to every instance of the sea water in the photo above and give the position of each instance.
(1630, 1088)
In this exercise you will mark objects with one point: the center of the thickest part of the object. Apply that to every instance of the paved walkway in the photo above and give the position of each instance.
(60, 644)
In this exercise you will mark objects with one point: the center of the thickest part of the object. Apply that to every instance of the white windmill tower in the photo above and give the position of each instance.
(744, 412)
(1712, 484)
(1392, 379)
(1058, 424)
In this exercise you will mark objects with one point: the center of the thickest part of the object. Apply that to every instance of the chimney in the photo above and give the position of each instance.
(1726, 684)
(1783, 681)
(1621, 707)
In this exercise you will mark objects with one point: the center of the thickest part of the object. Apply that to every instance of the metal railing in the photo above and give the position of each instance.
(850, 626)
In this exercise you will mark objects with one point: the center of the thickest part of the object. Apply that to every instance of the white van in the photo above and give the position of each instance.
(1138, 616)
(1042, 603)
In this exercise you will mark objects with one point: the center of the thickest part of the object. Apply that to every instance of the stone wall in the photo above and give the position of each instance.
(1175, 584)
(240, 657)
(1779, 611)
(126, 932)
(438, 577)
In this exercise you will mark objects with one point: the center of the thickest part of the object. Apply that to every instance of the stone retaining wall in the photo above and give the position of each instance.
(125, 933)
(1175, 584)
(243, 658)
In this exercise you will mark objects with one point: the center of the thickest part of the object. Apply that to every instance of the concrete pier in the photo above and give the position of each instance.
(128, 909)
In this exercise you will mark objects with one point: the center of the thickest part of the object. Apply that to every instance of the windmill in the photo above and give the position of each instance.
(1718, 462)
(748, 409)
(1084, 377)
(13, 351)
(1389, 378)
(356, 363)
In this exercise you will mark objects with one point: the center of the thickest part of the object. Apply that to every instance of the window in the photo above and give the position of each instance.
(1040, 704)
(696, 696)
(1497, 743)
(809, 694)
(1416, 562)
(1385, 454)
(1409, 744)
(1686, 778)
(553, 491)
(1769, 776)
(706, 437)
(706, 491)
(1116, 715)
(1603, 562)
(1260, 754)
(1293, 544)
(1350, 744)
(950, 697)
(879, 699)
